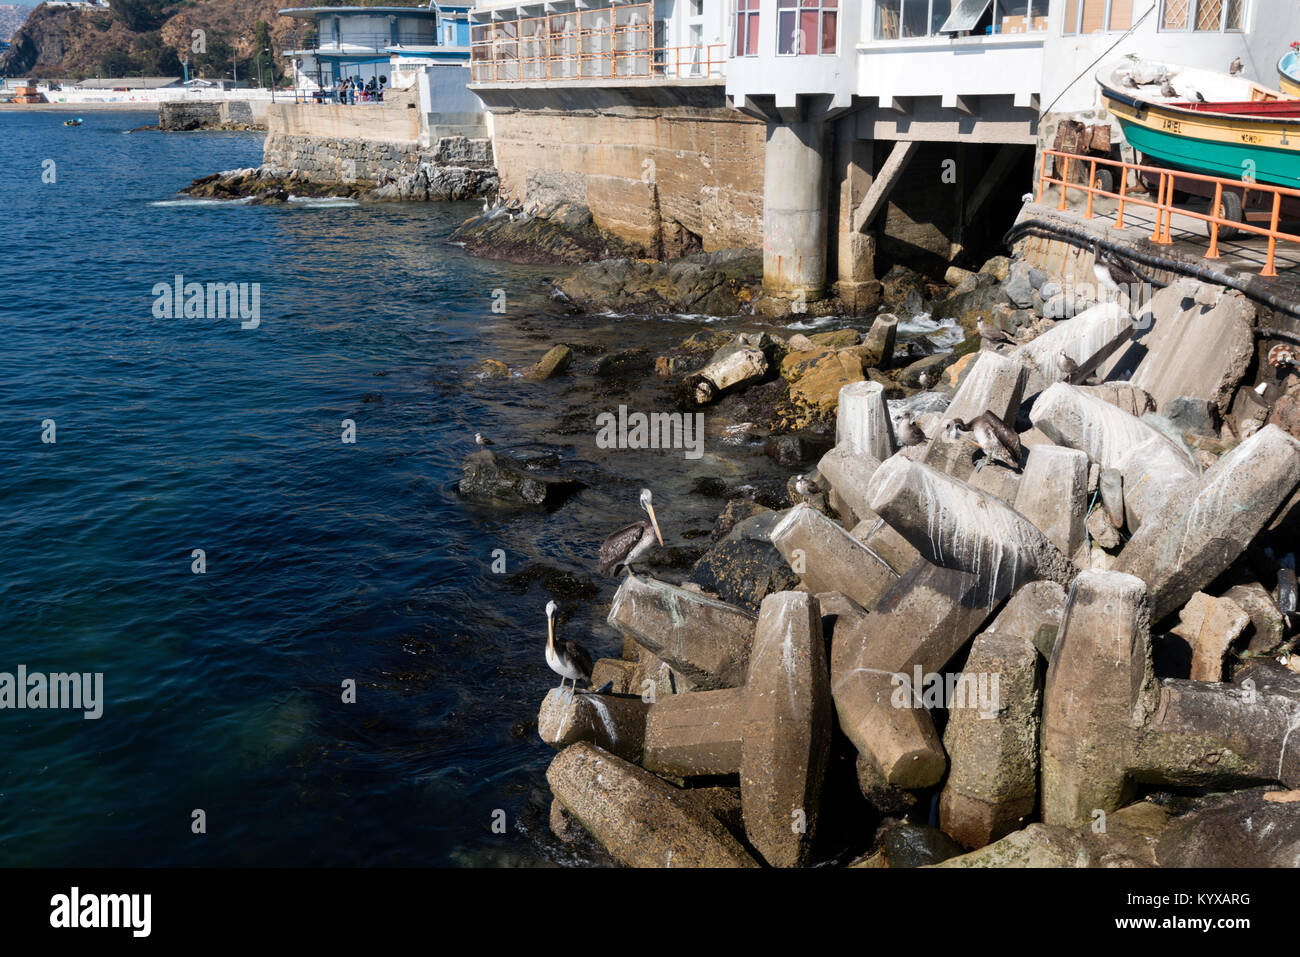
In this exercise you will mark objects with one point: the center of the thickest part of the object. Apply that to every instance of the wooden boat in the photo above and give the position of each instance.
(1214, 124)
(73, 122)
(1288, 72)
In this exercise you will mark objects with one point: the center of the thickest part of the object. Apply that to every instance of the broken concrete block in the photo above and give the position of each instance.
(1110, 489)
(922, 621)
(616, 670)
(1054, 494)
(995, 384)
(957, 526)
(1196, 537)
(696, 734)
(1033, 612)
(863, 421)
(1108, 723)
(848, 470)
(1210, 626)
(1088, 339)
(892, 548)
(706, 640)
(1102, 530)
(1123, 395)
(613, 722)
(828, 558)
(642, 820)
(732, 370)
(1268, 625)
(1194, 349)
(881, 338)
(992, 742)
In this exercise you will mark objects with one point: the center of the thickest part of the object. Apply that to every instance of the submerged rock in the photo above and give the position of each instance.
(497, 480)
(558, 234)
(718, 283)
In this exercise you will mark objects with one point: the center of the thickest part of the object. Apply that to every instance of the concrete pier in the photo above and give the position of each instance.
(794, 211)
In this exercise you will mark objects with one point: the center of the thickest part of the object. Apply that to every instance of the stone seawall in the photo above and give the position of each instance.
(208, 115)
(668, 171)
(453, 168)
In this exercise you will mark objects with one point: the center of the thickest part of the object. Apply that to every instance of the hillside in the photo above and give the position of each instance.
(11, 18)
(151, 36)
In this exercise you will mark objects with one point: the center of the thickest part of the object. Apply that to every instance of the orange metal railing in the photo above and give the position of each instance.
(680, 63)
(1163, 203)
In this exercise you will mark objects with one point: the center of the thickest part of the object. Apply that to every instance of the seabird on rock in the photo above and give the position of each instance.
(1067, 366)
(630, 543)
(909, 433)
(999, 441)
(991, 333)
(568, 659)
(925, 379)
(806, 486)
(481, 441)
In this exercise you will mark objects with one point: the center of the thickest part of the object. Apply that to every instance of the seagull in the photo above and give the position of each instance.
(1027, 198)
(909, 433)
(568, 659)
(631, 543)
(1199, 97)
(1235, 66)
(1067, 366)
(1126, 79)
(806, 486)
(481, 441)
(1167, 90)
(999, 442)
(991, 333)
(925, 379)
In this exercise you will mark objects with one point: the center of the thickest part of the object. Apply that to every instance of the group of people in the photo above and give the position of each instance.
(350, 90)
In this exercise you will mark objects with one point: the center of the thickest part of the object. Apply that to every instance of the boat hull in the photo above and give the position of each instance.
(1216, 145)
(1288, 74)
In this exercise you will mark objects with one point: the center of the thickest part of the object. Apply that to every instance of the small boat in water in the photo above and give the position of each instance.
(1288, 72)
(1205, 122)
(73, 122)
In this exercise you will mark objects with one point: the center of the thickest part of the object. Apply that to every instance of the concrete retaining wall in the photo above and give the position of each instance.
(192, 115)
(396, 120)
(335, 159)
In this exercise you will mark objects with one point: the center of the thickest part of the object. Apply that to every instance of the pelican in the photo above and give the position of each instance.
(909, 433)
(568, 659)
(999, 442)
(1067, 366)
(630, 543)
(991, 333)
(481, 441)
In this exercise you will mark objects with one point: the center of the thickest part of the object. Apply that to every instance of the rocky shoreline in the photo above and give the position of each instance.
(906, 624)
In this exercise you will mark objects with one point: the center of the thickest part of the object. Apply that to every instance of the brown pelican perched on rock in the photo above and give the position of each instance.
(909, 433)
(568, 659)
(631, 543)
(999, 441)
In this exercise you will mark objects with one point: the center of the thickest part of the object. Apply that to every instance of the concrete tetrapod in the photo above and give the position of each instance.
(828, 558)
(703, 638)
(1108, 723)
(775, 731)
(862, 420)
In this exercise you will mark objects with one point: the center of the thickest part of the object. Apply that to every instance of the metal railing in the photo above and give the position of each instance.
(1163, 204)
(375, 42)
(680, 63)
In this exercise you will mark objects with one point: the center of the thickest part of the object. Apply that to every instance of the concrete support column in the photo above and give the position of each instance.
(794, 211)
(856, 284)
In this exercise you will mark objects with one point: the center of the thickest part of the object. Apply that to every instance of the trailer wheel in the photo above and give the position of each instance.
(1229, 208)
(1104, 181)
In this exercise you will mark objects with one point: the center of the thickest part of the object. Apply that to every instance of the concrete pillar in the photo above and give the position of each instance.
(794, 211)
(855, 252)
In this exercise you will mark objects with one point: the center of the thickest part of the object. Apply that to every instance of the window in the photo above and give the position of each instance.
(1097, 16)
(806, 26)
(697, 8)
(1213, 16)
(746, 27)
(902, 19)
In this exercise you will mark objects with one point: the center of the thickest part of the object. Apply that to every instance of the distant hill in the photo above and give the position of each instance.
(12, 16)
(151, 36)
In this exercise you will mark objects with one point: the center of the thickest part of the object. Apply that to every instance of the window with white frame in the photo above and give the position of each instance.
(1097, 16)
(746, 28)
(903, 19)
(806, 26)
(1203, 16)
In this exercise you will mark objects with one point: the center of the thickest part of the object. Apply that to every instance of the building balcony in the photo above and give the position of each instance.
(358, 44)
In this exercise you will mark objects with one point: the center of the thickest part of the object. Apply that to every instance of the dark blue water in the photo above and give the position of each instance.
(325, 561)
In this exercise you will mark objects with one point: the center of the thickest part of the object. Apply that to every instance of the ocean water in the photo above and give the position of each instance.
(326, 562)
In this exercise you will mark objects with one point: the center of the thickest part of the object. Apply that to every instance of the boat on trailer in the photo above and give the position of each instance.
(1199, 121)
